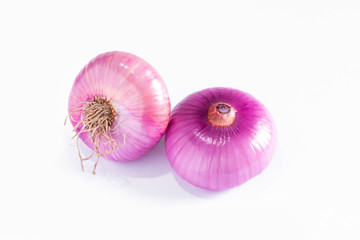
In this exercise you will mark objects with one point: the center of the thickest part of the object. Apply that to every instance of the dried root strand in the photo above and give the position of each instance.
(96, 119)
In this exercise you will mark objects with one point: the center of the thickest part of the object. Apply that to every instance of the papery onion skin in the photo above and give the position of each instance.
(220, 157)
(137, 93)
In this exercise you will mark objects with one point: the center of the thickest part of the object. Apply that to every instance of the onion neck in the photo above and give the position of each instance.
(221, 114)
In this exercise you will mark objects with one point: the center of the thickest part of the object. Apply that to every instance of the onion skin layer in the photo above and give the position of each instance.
(138, 95)
(217, 157)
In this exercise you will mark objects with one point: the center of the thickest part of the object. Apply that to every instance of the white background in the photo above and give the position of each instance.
(300, 58)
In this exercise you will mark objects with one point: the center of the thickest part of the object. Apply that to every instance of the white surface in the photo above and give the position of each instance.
(300, 58)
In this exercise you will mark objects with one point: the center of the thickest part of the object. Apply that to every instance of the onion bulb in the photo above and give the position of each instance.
(119, 106)
(219, 138)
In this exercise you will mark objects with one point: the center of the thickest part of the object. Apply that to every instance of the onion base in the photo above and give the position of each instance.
(97, 120)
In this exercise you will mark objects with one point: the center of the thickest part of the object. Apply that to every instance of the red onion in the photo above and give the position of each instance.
(219, 138)
(119, 106)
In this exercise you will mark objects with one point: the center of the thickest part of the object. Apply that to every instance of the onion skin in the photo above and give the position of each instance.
(220, 157)
(138, 95)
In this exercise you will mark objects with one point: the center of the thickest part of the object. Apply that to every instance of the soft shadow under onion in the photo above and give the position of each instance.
(150, 165)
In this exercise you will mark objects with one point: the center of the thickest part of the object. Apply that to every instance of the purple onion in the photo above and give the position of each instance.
(219, 138)
(119, 106)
